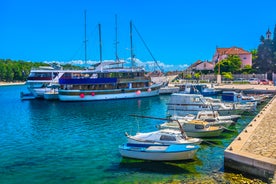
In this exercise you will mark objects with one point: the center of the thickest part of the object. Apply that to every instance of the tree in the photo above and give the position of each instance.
(264, 61)
(230, 64)
(254, 53)
(266, 55)
(227, 75)
(197, 75)
(262, 39)
(274, 40)
(247, 69)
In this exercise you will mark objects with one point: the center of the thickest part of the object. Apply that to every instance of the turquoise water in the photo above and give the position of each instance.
(63, 142)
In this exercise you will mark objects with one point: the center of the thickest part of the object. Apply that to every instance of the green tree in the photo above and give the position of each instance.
(274, 40)
(197, 75)
(254, 53)
(247, 69)
(264, 61)
(230, 64)
(227, 75)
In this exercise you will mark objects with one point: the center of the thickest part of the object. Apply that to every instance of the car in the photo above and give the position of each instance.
(241, 80)
(264, 82)
(254, 81)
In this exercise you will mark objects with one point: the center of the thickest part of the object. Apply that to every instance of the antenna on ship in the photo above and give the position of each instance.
(100, 42)
(85, 40)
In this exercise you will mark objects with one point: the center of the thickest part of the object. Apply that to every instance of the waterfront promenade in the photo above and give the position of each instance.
(248, 88)
(254, 149)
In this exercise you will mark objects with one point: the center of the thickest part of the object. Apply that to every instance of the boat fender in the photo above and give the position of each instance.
(82, 95)
(138, 92)
(93, 94)
(149, 90)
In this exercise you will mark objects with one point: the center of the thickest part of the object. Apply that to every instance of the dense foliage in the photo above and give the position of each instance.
(265, 62)
(19, 70)
(230, 64)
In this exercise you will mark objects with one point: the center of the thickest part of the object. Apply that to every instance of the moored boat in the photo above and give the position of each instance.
(108, 80)
(194, 128)
(203, 89)
(40, 79)
(164, 137)
(158, 152)
(182, 104)
(232, 96)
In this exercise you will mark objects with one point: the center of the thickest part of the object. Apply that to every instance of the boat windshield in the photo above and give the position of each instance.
(167, 138)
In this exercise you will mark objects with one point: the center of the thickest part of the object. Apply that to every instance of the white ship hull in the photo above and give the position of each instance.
(64, 95)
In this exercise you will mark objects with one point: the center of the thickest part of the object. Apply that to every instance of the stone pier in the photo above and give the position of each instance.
(254, 149)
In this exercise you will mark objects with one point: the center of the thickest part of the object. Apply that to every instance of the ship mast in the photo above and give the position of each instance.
(116, 39)
(85, 40)
(131, 49)
(100, 43)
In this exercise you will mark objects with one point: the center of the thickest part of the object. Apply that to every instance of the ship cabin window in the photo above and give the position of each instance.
(167, 138)
(40, 74)
(199, 126)
(121, 86)
(195, 100)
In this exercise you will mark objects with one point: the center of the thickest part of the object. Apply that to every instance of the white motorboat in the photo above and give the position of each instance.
(194, 128)
(164, 137)
(41, 79)
(203, 89)
(183, 104)
(156, 152)
(214, 115)
(232, 96)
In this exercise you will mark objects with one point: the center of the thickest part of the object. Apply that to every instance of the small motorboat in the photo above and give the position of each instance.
(155, 152)
(164, 136)
(194, 128)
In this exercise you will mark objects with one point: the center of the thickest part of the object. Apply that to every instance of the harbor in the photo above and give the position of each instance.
(55, 141)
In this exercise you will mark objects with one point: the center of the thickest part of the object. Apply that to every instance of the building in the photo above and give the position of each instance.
(222, 53)
(202, 66)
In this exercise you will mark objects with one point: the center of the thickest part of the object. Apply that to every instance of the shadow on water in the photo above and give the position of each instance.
(177, 167)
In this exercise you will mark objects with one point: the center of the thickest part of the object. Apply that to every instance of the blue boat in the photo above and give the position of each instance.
(155, 152)
(232, 96)
(202, 89)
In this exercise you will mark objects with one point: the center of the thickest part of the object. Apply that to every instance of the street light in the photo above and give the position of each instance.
(218, 75)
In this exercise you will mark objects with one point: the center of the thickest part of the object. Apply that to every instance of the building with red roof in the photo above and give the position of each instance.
(222, 53)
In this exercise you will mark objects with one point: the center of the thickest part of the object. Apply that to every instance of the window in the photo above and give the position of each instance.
(199, 126)
(167, 138)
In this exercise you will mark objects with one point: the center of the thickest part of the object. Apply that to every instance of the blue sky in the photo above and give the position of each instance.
(178, 32)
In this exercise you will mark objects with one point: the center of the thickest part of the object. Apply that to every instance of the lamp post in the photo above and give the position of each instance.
(218, 75)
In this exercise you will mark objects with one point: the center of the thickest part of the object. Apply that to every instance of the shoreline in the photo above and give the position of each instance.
(11, 83)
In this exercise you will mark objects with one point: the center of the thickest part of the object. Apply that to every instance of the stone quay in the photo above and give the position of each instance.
(254, 150)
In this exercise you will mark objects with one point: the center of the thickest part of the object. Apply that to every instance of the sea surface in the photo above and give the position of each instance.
(77, 142)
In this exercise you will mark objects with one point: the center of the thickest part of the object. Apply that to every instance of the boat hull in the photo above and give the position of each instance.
(184, 112)
(205, 134)
(78, 95)
(157, 152)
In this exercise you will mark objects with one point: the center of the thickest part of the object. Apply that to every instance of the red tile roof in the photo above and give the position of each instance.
(231, 51)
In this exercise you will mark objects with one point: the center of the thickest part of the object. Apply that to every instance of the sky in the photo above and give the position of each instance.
(177, 32)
